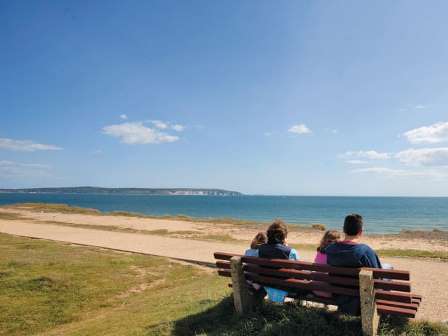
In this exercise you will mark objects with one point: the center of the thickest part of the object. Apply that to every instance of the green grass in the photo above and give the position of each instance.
(443, 256)
(50, 288)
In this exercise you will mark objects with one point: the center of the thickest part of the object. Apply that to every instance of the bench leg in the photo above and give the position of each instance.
(242, 299)
(369, 314)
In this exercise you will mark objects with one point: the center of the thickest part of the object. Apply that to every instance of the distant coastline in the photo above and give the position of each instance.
(126, 191)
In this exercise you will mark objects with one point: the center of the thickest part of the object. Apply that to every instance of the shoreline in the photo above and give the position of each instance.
(430, 233)
(412, 244)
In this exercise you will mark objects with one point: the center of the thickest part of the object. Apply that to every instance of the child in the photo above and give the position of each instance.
(276, 248)
(330, 237)
(259, 239)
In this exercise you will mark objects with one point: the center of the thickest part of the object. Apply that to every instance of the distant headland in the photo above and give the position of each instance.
(126, 191)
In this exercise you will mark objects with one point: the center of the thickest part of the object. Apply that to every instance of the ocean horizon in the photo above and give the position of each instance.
(382, 214)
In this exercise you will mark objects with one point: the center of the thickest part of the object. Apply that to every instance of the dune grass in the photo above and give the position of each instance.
(51, 288)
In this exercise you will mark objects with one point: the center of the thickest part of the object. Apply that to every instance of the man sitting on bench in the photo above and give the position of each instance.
(350, 253)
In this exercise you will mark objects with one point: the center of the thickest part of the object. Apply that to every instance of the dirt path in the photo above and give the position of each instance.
(429, 278)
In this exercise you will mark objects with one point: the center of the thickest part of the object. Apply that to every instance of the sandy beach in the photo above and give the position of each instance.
(196, 241)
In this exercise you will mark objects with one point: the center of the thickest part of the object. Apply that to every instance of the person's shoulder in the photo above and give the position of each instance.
(364, 248)
(332, 247)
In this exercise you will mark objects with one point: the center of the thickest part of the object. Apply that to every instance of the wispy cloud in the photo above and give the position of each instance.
(424, 156)
(391, 172)
(25, 145)
(435, 133)
(177, 127)
(369, 155)
(137, 133)
(420, 107)
(357, 162)
(165, 125)
(159, 124)
(299, 129)
(123, 116)
(18, 169)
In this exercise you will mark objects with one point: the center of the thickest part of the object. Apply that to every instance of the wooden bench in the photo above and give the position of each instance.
(380, 291)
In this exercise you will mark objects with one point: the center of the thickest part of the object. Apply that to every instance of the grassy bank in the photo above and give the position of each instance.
(50, 288)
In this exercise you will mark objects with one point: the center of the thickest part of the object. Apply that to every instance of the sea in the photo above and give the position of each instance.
(381, 214)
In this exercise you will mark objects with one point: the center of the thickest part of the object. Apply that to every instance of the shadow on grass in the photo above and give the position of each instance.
(269, 319)
(285, 320)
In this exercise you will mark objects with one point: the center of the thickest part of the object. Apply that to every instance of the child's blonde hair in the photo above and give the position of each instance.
(259, 239)
(330, 236)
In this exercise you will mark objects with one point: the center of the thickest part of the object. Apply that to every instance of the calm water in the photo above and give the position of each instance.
(382, 214)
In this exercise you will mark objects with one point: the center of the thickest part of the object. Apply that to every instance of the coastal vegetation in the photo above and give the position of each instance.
(51, 288)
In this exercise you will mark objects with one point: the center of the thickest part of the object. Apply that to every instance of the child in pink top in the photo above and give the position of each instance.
(330, 237)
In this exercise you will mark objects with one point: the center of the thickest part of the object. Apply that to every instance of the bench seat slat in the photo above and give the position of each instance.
(223, 264)
(393, 296)
(390, 274)
(396, 311)
(299, 274)
(225, 256)
(402, 286)
(300, 284)
(397, 304)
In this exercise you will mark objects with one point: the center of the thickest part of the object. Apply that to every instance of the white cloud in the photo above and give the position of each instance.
(299, 129)
(178, 127)
(424, 156)
(25, 145)
(357, 162)
(420, 107)
(160, 124)
(268, 134)
(137, 133)
(123, 116)
(390, 172)
(370, 155)
(17, 169)
(431, 134)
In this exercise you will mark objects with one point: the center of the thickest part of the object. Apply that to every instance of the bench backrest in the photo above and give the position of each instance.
(292, 275)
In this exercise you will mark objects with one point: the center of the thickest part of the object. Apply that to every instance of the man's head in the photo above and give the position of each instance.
(353, 225)
(277, 232)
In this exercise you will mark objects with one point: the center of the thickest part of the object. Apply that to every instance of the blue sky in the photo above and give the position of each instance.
(267, 97)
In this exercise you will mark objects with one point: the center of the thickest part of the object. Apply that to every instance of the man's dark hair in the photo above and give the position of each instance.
(277, 232)
(353, 224)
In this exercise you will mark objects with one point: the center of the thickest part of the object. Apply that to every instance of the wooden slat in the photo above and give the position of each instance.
(299, 274)
(301, 265)
(396, 311)
(417, 297)
(392, 296)
(224, 273)
(402, 286)
(224, 255)
(300, 284)
(397, 304)
(223, 264)
(390, 274)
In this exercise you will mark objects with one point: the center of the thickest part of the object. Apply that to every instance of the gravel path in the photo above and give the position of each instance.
(429, 278)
